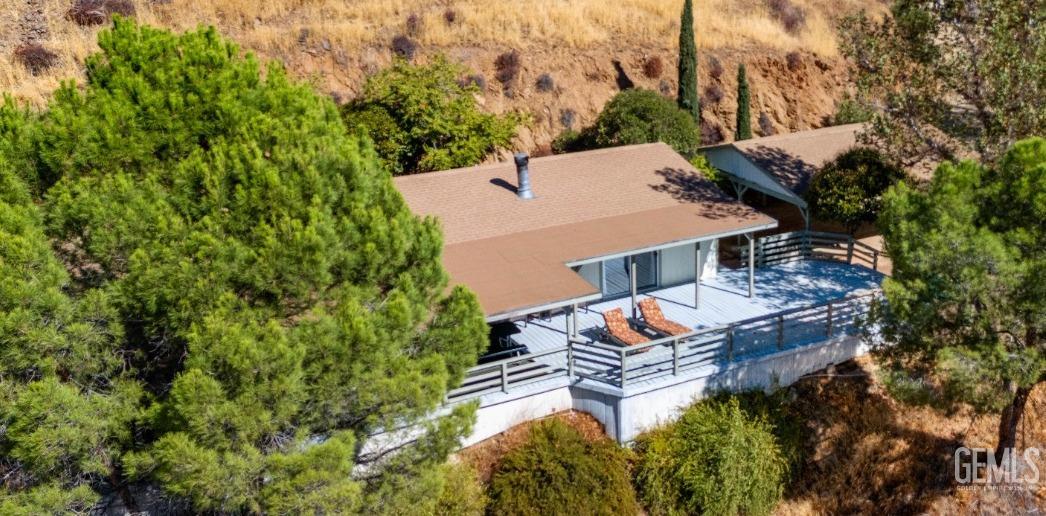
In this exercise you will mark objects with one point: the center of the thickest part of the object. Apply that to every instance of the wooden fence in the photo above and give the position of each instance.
(816, 245)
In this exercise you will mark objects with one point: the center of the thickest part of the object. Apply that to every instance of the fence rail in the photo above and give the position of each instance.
(818, 245)
(620, 365)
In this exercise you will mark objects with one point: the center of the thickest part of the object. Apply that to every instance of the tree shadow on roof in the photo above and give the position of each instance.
(689, 187)
(791, 171)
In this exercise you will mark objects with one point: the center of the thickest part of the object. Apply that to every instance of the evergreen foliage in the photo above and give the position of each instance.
(950, 79)
(966, 304)
(558, 471)
(688, 96)
(633, 117)
(715, 459)
(850, 188)
(743, 129)
(236, 299)
(423, 118)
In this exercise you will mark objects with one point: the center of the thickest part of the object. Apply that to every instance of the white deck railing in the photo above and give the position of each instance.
(805, 245)
(670, 356)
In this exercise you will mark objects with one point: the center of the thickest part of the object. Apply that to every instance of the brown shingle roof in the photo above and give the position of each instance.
(792, 159)
(513, 253)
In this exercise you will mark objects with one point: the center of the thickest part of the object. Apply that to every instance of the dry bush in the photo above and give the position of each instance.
(715, 68)
(96, 12)
(404, 47)
(476, 80)
(791, 16)
(711, 133)
(545, 83)
(794, 61)
(35, 58)
(766, 126)
(713, 94)
(653, 67)
(507, 67)
(88, 12)
(664, 87)
(567, 118)
(415, 24)
(122, 7)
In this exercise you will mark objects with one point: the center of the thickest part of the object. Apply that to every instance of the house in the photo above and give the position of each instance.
(782, 166)
(552, 246)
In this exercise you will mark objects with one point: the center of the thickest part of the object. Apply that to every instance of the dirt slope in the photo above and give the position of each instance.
(590, 48)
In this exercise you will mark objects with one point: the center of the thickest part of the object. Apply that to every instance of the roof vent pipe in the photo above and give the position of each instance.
(523, 172)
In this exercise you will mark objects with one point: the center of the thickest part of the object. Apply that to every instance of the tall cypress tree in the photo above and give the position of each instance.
(744, 116)
(688, 100)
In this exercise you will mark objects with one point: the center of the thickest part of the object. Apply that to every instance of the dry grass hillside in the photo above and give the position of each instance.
(590, 48)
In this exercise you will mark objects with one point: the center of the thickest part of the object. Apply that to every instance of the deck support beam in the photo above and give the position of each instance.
(751, 264)
(573, 317)
(632, 282)
(699, 267)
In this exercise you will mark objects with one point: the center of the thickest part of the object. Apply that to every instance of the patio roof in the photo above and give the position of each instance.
(514, 253)
(790, 160)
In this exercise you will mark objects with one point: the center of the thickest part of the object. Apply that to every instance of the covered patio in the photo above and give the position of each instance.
(724, 299)
(794, 304)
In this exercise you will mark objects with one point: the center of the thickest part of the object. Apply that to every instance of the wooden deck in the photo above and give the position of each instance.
(724, 299)
(795, 304)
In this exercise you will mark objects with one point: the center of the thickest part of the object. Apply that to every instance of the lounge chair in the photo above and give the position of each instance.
(653, 318)
(619, 330)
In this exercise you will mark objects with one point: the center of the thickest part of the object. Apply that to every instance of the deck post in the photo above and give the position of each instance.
(780, 332)
(504, 377)
(573, 316)
(624, 368)
(828, 323)
(675, 357)
(570, 327)
(875, 261)
(699, 267)
(751, 264)
(632, 282)
(570, 361)
(729, 344)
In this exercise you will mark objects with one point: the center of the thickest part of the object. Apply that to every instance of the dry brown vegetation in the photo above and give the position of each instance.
(869, 454)
(335, 44)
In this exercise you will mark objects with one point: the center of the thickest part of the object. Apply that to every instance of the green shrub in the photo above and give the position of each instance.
(558, 471)
(425, 118)
(700, 162)
(850, 188)
(716, 459)
(643, 116)
(462, 493)
(851, 111)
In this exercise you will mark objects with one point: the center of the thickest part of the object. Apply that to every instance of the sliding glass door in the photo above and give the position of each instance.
(616, 273)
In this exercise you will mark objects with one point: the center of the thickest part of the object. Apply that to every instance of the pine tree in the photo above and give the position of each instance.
(964, 306)
(688, 99)
(248, 298)
(744, 115)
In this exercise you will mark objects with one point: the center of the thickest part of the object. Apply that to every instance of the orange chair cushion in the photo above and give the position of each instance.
(618, 327)
(654, 318)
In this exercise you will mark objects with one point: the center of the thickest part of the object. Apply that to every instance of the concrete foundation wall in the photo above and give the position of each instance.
(644, 411)
(494, 419)
(626, 415)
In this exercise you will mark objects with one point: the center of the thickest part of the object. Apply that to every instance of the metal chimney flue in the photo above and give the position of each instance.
(523, 173)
